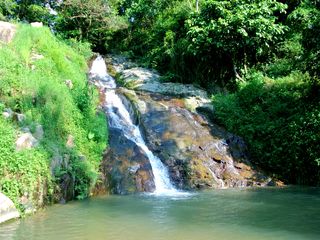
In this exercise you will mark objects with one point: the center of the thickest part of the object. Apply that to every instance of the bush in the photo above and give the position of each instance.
(280, 121)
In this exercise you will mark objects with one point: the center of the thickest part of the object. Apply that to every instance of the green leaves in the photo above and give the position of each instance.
(7, 8)
(88, 20)
(38, 89)
(280, 121)
(237, 28)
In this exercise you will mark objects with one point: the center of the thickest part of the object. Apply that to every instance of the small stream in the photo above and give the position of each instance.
(289, 213)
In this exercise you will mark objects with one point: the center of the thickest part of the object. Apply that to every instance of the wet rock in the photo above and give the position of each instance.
(7, 209)
(134, 168)
(193, 103)
(119, 63)
(64, 191)
(275, 183)
(184, 141)
(175, 121)
(66, 188)
(7, 31)
(126, 167)
(26, 141)
(147, 80)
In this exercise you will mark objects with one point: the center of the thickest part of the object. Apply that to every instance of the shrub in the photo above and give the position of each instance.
(280, 121)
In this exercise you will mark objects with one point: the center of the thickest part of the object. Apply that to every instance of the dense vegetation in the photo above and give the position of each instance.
(260, 59)
(35, 68)
(263, 58)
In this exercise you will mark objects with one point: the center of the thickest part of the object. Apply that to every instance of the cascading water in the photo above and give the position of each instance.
(119, 117)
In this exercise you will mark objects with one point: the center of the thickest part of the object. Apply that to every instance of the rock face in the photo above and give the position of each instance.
(126, 167)
(197, 153)
(175, 121)
(7, 209)
(7, 31)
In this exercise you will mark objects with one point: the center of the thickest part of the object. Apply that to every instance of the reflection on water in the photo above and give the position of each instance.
(289, 213)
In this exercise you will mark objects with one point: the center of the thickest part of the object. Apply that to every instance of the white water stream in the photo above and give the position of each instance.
(119, 118)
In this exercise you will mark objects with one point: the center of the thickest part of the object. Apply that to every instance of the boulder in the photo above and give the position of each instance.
(125, 165)
(185, 142)
(141, 79)
(7, 32)
(26, 141)
(118, 63)
(19, 117)
(148, 80)
(36, 24)
(7, 209)
(38, 134)
(7, 113)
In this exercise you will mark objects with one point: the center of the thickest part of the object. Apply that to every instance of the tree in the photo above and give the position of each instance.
(239, 31)
(87, 20)
(310, 39)
(26, 10)
(7, 8)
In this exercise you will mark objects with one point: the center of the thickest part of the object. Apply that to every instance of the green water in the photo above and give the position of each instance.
(290, 213)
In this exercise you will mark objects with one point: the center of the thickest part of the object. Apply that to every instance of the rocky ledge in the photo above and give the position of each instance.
(176, 121)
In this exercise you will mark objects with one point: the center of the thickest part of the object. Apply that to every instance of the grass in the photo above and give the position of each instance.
(34, 69)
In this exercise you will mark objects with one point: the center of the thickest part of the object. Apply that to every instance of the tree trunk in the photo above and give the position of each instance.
(237, 74)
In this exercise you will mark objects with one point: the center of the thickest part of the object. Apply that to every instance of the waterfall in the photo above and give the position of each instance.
(119, 117)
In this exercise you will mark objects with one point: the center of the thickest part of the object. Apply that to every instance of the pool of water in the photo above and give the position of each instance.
(288, 213)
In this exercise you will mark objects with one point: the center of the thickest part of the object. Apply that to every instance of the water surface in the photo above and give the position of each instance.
(290, 213)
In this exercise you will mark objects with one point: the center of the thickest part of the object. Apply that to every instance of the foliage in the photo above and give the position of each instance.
(280, 121)
(34, 70)
(87, 20)
(238, 31)
(26, 10)
(212, 45)
(21, 173)
(7, 8)
(310, 41)
(265, 52)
